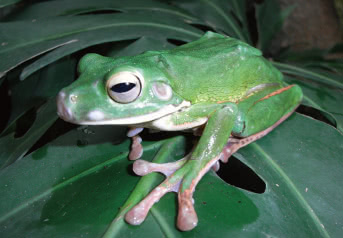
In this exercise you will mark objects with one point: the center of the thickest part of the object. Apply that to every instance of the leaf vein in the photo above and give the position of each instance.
(293, 189)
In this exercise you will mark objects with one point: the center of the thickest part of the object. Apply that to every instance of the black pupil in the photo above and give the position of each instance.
(122, 87)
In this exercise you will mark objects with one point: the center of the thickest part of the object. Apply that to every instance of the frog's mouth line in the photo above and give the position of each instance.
(96, 117)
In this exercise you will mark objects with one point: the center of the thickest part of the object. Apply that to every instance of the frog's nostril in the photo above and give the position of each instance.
(73, 98)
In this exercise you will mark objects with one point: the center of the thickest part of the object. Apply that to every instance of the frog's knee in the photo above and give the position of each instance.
(298, 94)
(239, 125)
(230, 108)
(227, 112)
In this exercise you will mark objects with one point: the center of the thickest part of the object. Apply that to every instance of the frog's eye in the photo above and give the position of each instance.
(124, 87)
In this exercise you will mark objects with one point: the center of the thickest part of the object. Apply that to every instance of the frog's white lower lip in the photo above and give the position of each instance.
(94, 116)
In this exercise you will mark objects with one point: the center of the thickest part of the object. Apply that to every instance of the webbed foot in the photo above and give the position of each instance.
(182, 177)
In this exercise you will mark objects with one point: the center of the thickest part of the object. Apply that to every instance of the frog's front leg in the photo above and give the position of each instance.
(188, 171)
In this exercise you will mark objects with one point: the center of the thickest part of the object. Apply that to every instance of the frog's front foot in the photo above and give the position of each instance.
(182, 177)
(136, 148)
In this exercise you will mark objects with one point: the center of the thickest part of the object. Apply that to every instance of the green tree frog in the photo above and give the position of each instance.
(216, 86)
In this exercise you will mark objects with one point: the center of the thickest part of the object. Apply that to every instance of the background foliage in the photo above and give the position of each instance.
(59, 180)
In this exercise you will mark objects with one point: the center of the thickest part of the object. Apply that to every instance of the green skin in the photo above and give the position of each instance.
(216, 84)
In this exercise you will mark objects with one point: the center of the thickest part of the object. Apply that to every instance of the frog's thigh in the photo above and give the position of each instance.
(267, 110)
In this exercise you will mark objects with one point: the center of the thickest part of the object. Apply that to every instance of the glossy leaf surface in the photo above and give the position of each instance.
(38, 88)
(219, 15)
(4, 3)
(77, 7)
(85, 31)
(139, 46)
(322, 97)
(80, 190)
(13, 148)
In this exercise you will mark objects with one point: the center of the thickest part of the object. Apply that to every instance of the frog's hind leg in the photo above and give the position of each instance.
(235, 144)
(187, 218)
(264, 109)
(183, 175)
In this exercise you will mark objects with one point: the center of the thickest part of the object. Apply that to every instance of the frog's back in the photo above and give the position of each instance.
(216, 68)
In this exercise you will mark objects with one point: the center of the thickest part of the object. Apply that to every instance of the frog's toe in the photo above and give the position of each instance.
(187, 218)
(216, 166)
(142, 167)
(136, 148)
(139, 212)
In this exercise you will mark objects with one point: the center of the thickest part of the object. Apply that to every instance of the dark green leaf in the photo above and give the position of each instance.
(322, 97)
(269, 19)
(320, 89)
(217, 14)
(334, 65)
(320, 76)
(65, 190)
(325, 64)
(25, 40)
(13, 148)
(75, 7)
(4, 3)
(307, 55)
(315, 58)
(303, 175)
(39, 87)
(239, 10)
(139, 46)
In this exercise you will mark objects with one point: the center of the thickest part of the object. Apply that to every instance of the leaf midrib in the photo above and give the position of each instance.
(293, 189)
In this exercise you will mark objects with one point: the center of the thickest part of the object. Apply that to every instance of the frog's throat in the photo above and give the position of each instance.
(166, 110)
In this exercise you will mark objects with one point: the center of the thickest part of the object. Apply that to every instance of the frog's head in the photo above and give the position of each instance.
(123, 91)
